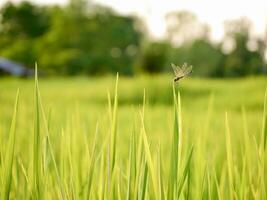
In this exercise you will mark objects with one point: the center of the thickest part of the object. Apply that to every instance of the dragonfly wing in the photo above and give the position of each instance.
(188, 70)
(184, 66)
(177, 70)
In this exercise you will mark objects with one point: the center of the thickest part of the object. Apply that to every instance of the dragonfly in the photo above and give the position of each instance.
(181, 72)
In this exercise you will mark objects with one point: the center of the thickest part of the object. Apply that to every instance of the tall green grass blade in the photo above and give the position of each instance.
(92, 164)
(209, 185)
(130, 168)
(160, 176)
(147, 151)
(263, 157)
(37, 155)
(148, 157)
(23, 170)
(248, 158)
(119, 186)
(243, 182)
(101, 182)
(139, 170)
(50, 149)
(114, 127)
(9, 155)
(109, 107)
(144, 182)
(188, 185)
(26, 191)
(71, 174)
(144, 103)
(218, 189)
(176, 147)
(203, 185)
(230, 164)
(264, 125)
(185, 173)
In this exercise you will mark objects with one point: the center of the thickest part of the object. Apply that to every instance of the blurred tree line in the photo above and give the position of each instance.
(85, 38)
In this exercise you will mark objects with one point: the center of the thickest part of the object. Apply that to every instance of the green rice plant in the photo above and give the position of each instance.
(262, 156)
(176, 149)
(114, 127)
(160, 175)
(184, 174)
(37, 154)
(92, 163)
(264, 124)
(146, 150)
(230, 164)
(7, 166)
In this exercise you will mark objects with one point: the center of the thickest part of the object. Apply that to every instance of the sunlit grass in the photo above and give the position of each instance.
(106, 139)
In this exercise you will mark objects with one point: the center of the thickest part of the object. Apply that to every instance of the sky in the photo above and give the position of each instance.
(212, 12)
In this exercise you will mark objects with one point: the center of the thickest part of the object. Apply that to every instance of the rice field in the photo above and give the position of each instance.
(133, 138)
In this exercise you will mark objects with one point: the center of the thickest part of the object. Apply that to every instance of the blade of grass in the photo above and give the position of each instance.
(188, 185)
(50, 149)
(263, 156)
(264, 124)
(92, 164)
(148, 156)
(160, 176)
(176, 147)
(218, 189)
(247, 146)
(144, 182)
(203, 185)
(139, 162)
(37, 160)
(185, 173)
(230, 164)
(149, 159)
(114, 127)
(9, 155)
(130, 168)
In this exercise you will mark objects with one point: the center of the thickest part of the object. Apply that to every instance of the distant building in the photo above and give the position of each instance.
(13, 68)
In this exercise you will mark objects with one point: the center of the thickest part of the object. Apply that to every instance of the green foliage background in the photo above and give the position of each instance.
(86, 38)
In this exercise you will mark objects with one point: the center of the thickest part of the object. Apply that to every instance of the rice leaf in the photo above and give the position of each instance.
(37, 155)
(9, 155)
(114, 126)
(264, 124)
(185, 173)
(176, 147)
(230, 164)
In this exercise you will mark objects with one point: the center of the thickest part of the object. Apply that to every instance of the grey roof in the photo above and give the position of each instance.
(12, 67)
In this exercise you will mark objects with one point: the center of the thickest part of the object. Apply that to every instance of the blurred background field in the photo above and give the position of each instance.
(89, 38)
